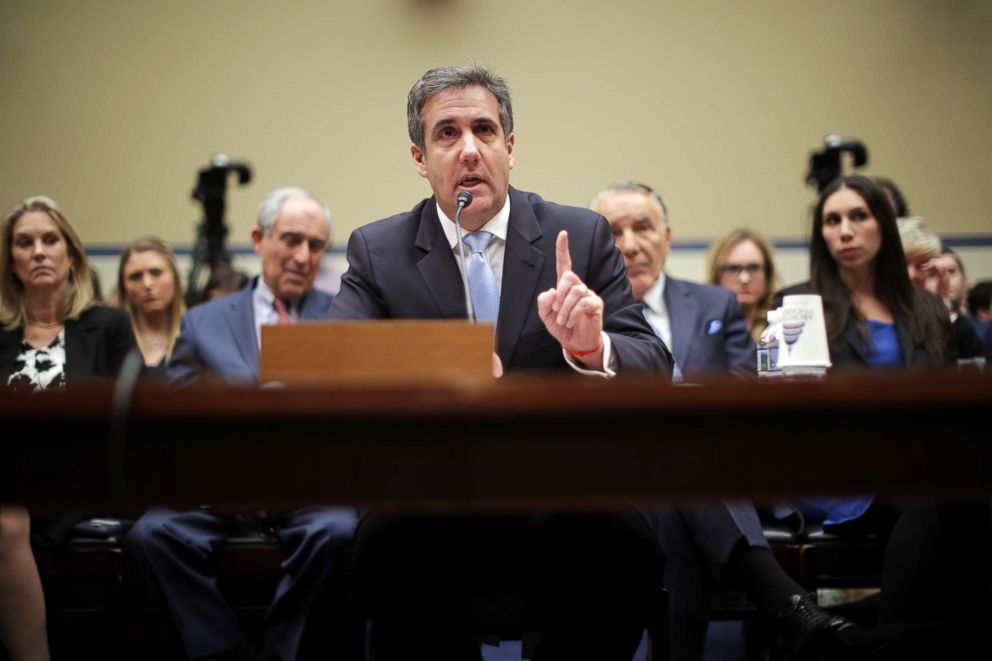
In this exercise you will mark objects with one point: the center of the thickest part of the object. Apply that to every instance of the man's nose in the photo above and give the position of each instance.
(627, 243)
(470, 148)
(302, 252)
(744, 275)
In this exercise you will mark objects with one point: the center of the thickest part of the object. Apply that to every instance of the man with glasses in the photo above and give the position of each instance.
(701, 324)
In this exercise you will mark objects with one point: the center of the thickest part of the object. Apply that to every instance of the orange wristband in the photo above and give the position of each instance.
(579, 354)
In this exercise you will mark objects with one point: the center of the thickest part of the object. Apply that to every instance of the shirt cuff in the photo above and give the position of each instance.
(609, 361)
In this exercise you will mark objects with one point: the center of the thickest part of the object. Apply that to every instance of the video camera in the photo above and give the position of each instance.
(211, 233)
(825, 166)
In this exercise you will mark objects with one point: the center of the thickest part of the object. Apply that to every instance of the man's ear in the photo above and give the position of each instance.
(419, 160)
(257, 233)
(511, 140)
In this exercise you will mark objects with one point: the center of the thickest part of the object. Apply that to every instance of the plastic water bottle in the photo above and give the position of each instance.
(768, 345)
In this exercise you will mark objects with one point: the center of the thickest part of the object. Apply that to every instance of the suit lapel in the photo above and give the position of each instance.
(312, 307)
(79, 346)
(522, 264)
(10, 348)
(241, 320)
(682, 317)
(438, 266)
(905, 343)
(855, 342)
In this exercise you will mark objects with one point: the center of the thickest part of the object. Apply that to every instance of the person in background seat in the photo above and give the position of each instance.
(52, 336)
(176, 550)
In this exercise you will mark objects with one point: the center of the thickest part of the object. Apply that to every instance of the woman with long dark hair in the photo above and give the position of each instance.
(875, 317)
(936, 562)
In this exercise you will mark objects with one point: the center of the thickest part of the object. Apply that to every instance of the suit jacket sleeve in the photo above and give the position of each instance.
(359, 296)
(738, 343)
(634, 341)
(185, 364)
(120, 341)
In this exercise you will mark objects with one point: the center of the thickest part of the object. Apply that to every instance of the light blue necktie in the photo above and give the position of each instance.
(481, 280)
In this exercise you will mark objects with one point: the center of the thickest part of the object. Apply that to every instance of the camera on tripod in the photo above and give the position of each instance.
(209, 250)
(826, 165)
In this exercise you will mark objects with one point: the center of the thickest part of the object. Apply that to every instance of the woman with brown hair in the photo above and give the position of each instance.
(741, 260)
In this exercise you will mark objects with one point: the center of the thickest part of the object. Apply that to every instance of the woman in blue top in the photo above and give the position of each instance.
(875, 317)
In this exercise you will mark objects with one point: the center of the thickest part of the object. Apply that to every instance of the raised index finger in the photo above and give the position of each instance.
(563, 260)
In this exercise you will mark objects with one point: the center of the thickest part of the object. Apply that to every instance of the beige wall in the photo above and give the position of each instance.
(112, 106)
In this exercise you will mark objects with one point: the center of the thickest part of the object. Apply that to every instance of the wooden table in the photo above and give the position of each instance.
(520, 443)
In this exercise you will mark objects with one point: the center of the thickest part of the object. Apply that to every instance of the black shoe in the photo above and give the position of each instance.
(807, 629)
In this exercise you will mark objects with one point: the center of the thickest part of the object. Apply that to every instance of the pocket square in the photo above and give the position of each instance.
(714, 327)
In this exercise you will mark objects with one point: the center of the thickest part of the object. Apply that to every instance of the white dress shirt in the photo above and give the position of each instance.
(495, 252)
(264, 305)
(656, 310)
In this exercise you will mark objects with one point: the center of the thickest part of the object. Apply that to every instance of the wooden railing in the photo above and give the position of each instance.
(520, 443)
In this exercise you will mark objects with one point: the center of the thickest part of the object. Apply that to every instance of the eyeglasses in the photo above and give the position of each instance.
(753, 270)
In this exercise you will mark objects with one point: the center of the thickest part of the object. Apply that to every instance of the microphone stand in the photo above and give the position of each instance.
(464, 199)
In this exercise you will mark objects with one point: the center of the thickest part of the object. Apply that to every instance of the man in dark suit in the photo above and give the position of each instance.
(221, 338)
(708, 334)
(702, 324)
(550, 279)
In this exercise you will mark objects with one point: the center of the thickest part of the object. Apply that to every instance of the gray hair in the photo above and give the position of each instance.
(443, 78)
(918, 239)
(268, 211)
(632, 187)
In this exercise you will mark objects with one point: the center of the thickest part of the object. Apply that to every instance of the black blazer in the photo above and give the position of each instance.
(402, 267)
(95, 345)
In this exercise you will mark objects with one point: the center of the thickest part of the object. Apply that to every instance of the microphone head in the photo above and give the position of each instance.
(464, 199)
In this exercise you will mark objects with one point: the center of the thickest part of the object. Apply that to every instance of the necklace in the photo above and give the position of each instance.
(45, 324)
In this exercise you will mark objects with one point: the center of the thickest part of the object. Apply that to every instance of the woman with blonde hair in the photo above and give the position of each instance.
(741, 260)
(150, 291)
(52, 335)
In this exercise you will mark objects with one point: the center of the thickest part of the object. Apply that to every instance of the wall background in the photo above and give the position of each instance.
(112, 106)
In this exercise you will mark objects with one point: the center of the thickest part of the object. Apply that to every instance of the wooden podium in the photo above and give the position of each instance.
(310, 352)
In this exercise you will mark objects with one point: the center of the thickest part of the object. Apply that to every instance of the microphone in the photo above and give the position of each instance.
(464, 199)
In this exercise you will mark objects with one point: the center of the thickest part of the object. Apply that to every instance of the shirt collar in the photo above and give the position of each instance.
(654, 297)
(264, 297)
(497, 225)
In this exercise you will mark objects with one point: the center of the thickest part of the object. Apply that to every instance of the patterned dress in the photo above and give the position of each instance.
(39, 369)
